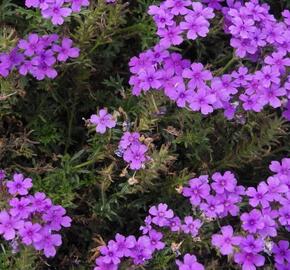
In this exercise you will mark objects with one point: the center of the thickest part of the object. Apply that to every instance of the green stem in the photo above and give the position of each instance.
(154, 103)
(84, 164)
(227, 66)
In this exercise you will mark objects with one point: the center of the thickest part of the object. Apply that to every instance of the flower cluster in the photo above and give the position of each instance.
(212, 198)
(270, 210)
(57, 10)
(31, 220)
(133, 150)
(37, 55)
(102, 121)
(142, 249)
(255, 32)
(177, 19)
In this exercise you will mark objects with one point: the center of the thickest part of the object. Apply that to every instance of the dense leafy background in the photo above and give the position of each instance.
(43, 133)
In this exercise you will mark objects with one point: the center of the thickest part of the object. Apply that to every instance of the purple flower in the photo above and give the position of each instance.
(103, 121)
(222, 183)
(124, 245)
(225, 241)
(55, 218)
(9, 225)
(19, 185)
(281, 252)
(268, 75)
(2, 175)
(142, 250)
(195, 26)
(259, 196)
(150, 78)
(251, 244)
(66, 50)
(20, 207)
(197, 75)
(178, 7)
(56, 12)
(198, 189)
(252, 221)
(48, 242)
(276, 188)
(170, 35)
(202, 100)
(30, 233)
(248, 260)
(155, 240)
(281, 169)
(39, 202)
(110, 253)
(212, 207)
(189, 263)
(135, 155)
(161, 214)
(32, 45)
(128, 139)
(148, 227)
(77, 4)
(191, 226)
(175, 224)
(284, 215)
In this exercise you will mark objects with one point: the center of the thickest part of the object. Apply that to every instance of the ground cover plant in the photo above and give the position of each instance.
(144, 134)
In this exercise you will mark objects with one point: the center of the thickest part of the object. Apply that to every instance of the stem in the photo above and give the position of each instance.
(227, 66)
(84, 164)
(154, 104)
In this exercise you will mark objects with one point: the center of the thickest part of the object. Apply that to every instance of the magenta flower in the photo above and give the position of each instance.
(19, 185)
(103, 121)
(161, 214)
(66, 50)
(252, 221)
(225, 241)
(189, 263)
(9, 225)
